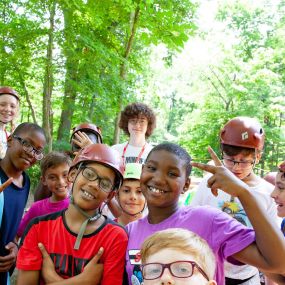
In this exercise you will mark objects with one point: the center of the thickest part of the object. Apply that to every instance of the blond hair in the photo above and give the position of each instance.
(184, 241)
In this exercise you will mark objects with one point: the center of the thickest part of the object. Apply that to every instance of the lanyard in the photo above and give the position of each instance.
(139, 156)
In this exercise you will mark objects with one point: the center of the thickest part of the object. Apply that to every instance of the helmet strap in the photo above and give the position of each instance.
(84, 224)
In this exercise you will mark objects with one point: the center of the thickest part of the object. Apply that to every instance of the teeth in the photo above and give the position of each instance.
(155, 190)
(87, 194)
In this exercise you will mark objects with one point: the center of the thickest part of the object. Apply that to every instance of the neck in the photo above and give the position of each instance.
(138, 140)
(9, 168)
(124, 219)
(251, 180)
(157, 215)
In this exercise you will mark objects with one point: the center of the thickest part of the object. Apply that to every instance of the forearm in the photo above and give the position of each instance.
(76, 280)
(269, 240)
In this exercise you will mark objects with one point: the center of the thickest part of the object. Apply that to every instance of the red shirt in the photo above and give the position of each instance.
(52, 231)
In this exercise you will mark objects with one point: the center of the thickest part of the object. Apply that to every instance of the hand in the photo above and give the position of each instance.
(48, 270)
(6, 184)
(81, 139)
(222, 178)
(7, 261)
(93, 271)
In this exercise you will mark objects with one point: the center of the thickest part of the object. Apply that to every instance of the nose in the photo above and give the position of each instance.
(166, 278)
(274, 193)
(62, 181)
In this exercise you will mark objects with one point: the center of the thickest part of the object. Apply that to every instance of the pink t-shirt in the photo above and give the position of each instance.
(40, 208)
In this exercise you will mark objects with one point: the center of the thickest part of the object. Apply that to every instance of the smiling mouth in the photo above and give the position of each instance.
(156, 190)
(87, 195)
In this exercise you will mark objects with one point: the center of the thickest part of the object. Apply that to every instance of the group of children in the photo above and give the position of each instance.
(67, 239)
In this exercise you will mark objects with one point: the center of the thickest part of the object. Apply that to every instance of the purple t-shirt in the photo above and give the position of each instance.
(224, 234)
(40, 208)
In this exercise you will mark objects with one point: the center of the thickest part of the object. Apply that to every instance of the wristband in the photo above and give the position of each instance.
(15, 244)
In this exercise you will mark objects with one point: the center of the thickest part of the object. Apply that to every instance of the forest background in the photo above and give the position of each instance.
(196, 63)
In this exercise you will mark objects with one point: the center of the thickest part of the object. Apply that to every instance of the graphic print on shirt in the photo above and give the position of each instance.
(135, 259)
(235, 210)
(68, 265)
(134, 159)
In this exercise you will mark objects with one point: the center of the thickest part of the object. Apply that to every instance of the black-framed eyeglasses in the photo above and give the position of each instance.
(104, 183)
(27, 147)
(242, 164)
(179, 269)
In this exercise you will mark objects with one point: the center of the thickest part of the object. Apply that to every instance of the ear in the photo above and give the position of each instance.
(110, 196)
(186, 185)
(9, 141)
(43, 180)
(258, 157)
(72, 174)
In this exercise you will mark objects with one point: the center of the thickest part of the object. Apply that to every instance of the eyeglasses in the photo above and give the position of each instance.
(141, 122)
(104, 184)
(242, 164)
(179, 269)
(38, 154)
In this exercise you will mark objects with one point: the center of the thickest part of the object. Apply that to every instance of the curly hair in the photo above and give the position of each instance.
(136, 110)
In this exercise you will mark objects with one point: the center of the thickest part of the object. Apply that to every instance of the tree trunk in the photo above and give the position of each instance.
(71, 66)
(123, 68)
(48, 81)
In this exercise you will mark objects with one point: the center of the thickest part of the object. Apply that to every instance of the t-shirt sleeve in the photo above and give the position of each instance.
(29, 256)
(230, 235)
(32, 213)
(114, 261)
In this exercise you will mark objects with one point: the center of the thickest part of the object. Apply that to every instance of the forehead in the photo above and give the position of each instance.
(168, 255)
(57, 169)
(8, 99)
(166, 159)
(139, 116)
(240, 156)
(131, 183)
(36, 138)
(280, 178)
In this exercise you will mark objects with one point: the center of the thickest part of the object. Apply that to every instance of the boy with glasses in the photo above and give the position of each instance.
(25, 148)
(241, 142)
(72, 239)
(177, 256)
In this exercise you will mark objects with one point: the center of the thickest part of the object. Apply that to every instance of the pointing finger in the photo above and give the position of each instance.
(214, 157)
(205, 167)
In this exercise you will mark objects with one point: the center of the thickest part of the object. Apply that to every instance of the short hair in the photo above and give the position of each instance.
(136, 110)
(232, 150)
(184, 241)
(176, 150)
(54, 159)
(28, 127)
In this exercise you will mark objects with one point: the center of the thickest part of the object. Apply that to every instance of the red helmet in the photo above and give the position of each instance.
(103, 154)
(88, 128)
(9, 91)
(243, 132)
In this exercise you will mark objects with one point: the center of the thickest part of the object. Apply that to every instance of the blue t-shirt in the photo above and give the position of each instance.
(15, 199)
(283, 227)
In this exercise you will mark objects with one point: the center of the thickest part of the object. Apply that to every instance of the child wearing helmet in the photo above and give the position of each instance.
(85, 134)
(129, 196)
(241, 143)
(9, 108)
(137, 121)
(82, 135)
(70, 239)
